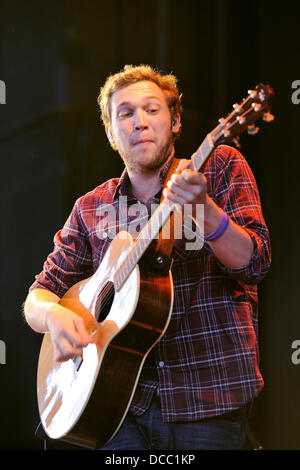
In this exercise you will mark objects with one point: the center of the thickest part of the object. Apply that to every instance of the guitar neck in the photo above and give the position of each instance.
(160, 217)
(256, 105)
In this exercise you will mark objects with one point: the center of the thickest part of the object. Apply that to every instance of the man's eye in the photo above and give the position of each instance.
(125, 114)
(152, 110)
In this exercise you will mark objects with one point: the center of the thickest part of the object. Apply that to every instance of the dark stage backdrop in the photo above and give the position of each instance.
(54, 56)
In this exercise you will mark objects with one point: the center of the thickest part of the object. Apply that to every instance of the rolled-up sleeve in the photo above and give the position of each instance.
(70, 260)
(237, 194)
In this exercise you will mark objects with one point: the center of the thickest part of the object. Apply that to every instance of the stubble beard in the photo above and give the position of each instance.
(154, 163)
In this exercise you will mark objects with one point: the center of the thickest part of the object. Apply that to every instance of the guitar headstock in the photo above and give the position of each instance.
(257, 104)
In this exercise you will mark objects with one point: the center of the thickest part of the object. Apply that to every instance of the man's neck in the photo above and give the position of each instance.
(144, 185)
(145, 182)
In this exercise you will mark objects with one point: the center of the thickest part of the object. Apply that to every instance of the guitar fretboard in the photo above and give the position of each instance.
(160, 217)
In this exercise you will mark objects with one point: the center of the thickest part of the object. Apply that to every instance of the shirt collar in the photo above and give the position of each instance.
(122, 186)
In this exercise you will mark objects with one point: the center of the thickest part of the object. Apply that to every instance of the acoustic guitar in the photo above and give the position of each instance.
(126, 306)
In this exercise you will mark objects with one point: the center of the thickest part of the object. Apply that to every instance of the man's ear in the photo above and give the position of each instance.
(176, 123)
(109, 135)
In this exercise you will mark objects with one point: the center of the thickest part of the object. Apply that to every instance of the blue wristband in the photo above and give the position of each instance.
(219, 230)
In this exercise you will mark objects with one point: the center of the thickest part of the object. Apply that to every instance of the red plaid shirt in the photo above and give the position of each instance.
(206, 364)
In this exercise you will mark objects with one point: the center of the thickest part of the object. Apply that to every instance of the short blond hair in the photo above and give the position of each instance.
(133, 74)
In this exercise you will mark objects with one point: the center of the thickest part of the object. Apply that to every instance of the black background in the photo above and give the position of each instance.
(54, 56)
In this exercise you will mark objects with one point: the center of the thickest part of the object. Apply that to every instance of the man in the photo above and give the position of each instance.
(196, 383)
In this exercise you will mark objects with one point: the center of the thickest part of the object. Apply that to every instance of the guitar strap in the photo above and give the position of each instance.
(165, 244)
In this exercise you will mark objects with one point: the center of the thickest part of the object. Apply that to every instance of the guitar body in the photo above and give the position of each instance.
(85, 400)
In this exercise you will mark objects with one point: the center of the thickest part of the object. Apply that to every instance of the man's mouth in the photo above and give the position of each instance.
(142, 142)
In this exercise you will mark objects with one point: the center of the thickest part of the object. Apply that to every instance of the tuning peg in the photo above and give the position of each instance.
(268, 117)
(238, 108)
(256, 107)
(226, 133)
(237, 143)
(241, 119)
(252, 93)
(252, 130)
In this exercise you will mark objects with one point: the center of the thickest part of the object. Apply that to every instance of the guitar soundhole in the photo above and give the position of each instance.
(104, 301)
(77, 361)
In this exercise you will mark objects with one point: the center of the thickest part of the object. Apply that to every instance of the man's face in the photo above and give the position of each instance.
(141, 126)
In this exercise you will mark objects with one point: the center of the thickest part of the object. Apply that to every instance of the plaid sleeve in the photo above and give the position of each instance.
(237, 194)
(71, 259)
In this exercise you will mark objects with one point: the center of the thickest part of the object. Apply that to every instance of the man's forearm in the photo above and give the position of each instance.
(66, 328)
(234, 248)
(36, 307)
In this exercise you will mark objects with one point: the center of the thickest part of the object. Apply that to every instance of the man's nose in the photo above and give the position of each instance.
(140, 121)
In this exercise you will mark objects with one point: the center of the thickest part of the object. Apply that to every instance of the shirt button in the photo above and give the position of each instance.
(104, 235)
(161, 363)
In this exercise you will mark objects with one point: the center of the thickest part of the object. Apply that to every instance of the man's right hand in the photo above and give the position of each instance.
(67, 331)
(44, 314)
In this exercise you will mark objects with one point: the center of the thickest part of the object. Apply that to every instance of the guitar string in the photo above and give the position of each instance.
(219, 129)
(146, 236)
(163, 211)
(134, 253)
(138, 248)
(229, 124)
(264, 108)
